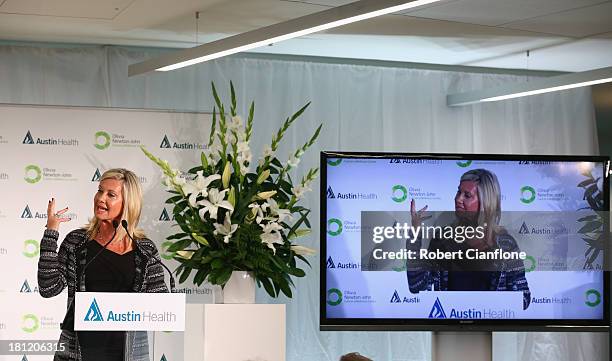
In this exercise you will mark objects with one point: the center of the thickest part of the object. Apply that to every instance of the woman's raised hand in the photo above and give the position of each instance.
(417, 217)
(55, 218)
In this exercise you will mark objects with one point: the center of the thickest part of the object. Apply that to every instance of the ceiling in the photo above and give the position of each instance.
(561, 35)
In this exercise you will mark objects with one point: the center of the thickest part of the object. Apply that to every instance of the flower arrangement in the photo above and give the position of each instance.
(235, 219)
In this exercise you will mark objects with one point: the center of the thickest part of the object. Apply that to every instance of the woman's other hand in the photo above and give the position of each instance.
(417, 217)
(55, 218)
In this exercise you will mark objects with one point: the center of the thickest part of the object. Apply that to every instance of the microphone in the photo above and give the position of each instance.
(68, 322)
(124, 223)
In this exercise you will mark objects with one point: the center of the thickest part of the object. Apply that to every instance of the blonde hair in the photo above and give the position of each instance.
(489, 199)
(132, 204)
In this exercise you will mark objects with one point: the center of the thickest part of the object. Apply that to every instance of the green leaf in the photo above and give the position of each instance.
(173, 199)
(179, 245)
(588, 218)
(200, 276)
(268, 286)
(224, 276)
(590, 227)
(297, 272)
(217, 263)
(177, 236)
(185, 275)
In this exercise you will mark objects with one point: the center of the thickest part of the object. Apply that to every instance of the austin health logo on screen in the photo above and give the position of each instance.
(166, 143)
(350, 195)
(438, 311)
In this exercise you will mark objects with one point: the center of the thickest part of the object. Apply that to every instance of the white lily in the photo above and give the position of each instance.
(276, 211)
(271, 235)
(303, 251)
(258, 211)
(215, 201)
(226, 229)
(198, 186)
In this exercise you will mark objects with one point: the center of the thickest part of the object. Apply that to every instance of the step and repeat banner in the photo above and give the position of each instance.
(61, 152)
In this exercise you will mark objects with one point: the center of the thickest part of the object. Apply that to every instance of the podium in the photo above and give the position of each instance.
(235, 332)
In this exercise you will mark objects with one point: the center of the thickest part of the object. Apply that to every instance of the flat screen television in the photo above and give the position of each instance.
(533, 259)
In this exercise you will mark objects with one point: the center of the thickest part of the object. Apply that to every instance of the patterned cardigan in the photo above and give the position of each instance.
(58, 270)
(509, 274)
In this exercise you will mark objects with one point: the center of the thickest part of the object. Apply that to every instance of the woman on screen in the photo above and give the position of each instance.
(477, 203)
(123, 266)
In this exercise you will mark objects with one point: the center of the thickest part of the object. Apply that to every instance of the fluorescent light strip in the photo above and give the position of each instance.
(547, 90)
(333, 24)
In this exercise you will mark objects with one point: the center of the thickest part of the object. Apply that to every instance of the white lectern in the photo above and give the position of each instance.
(235, 332)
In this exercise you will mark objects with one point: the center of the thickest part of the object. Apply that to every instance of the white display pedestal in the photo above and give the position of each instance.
(234, 332)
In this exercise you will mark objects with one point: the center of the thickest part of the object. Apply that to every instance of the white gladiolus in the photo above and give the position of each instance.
(293, 161)
(235, 123)
(215, 201)
(299, 190)
(268, 152)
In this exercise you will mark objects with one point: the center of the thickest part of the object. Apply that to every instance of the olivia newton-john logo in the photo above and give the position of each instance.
(34, 174)
(30, 139)
(103, 140)
(166, 143)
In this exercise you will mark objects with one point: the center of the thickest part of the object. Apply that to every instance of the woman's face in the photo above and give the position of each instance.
(108, 201)
(466, 199)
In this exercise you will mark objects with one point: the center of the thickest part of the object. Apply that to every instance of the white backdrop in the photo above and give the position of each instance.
(362, 107)
(61, 152)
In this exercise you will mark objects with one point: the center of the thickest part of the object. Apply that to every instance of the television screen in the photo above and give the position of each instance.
(472, 241)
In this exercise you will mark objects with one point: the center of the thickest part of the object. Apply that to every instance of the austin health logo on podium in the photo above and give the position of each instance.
(94, 313)
(437, 311)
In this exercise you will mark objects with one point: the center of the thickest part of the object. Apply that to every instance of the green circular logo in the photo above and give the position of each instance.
(528, 194)
(338, 229)
(532, 267)
(30, 323)
(33, 174)
(102, 140)
(31, 248)
(164, 250)
(331, 300)
(464, 163)
(334, 162)
(403, 193)
(593, 298)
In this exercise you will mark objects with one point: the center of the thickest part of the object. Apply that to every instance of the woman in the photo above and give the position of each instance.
(124, 266)
(477, 203)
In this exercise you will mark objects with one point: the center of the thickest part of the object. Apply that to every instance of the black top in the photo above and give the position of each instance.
(109, 272)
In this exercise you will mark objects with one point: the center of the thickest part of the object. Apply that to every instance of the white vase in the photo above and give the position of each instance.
(240, 288)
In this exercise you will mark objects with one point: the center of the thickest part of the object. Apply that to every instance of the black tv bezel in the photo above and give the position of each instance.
(386, 324)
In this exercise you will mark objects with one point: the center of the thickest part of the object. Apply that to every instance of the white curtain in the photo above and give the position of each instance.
(368, 108)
